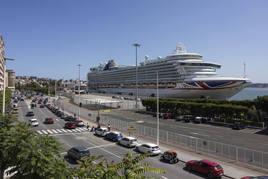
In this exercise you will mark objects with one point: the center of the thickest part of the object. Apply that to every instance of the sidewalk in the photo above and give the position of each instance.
(231, 169)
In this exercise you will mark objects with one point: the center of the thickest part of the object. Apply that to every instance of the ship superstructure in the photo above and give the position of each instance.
(181, 74)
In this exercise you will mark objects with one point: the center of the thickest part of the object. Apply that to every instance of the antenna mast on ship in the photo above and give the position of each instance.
(244, 64)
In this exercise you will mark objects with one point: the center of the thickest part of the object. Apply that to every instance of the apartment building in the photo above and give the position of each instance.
(2, 62)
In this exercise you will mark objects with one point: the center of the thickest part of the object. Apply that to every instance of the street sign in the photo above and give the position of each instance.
(107, 110)
(131, 128)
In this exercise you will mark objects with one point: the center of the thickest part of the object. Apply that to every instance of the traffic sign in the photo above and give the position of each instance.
(107, 110)
(131, 128)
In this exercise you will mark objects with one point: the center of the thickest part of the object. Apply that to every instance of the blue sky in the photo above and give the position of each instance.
(48, 38)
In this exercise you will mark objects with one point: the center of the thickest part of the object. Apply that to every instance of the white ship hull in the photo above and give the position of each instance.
(223, 93)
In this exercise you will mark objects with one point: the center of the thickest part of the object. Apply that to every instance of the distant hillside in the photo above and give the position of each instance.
(258, 85)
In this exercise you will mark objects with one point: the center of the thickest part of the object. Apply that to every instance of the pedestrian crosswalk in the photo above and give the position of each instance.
(61, 131)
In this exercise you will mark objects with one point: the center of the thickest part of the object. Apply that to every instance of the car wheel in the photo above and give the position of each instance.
(188, 167)
(210, 175)
(128, 145)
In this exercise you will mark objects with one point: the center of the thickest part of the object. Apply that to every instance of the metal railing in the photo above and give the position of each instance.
(194, 144)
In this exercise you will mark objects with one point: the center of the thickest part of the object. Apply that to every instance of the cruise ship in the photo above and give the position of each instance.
(180, 75)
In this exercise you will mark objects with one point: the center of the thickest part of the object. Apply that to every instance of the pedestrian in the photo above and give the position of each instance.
(87, 126)
(109, 127)
(92, 129)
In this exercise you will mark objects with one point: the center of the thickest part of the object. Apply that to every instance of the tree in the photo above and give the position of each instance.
(133, 168)
(128, 168)
(29, 154)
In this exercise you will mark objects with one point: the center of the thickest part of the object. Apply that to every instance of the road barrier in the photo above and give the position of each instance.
(194, 144)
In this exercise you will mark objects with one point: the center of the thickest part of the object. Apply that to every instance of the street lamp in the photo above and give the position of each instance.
(136, 45)
(4, 87)
(79, 65)
(157, 112)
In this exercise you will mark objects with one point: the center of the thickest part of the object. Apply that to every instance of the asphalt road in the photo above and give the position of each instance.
(247, 138)
(97, 145)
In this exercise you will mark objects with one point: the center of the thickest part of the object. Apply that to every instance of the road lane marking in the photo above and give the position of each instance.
(39, 132)
(79, 130)
(50, 131)
(45, 132)
(69, 130)
(59, 130)
(99, 146)
(64, 130)
(54, 131)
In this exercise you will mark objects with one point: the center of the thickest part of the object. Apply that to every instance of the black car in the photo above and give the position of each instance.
(238, 126)
(69, 118)
(78, 152)
(30, 113)
(41, 106)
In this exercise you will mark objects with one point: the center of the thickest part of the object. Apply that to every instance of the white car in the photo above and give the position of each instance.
(102, 131)
(148, 148)
(33, 122)
(128, 141)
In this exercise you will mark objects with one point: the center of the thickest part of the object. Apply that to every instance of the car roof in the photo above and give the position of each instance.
(33, 119)
(151, 144)
(80, 148)
(130, 138)
(209, 163)
(115, 132)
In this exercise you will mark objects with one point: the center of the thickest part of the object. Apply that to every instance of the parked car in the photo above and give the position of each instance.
(148, 148)
(251, 177)
(78, 152)
(206, 167)
(41, 106)
(170, 156)
(70, 125)
(188, 118)
(167, 116)
(30, 113)
(128, 141)
(69, 118)
(49, 121)
(179, 118)
(40, 102)
(64, 116)
(238, 126)
(198, 120)
(33, 122)
(101, 131)
(79, 123)
(114, 136)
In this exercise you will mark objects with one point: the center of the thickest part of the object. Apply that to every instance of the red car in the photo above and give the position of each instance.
(40, 102)
(251, 177)
(49, 121)
(206, 167)
(70, 125)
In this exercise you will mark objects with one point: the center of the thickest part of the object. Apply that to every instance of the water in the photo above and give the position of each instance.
(250, 93)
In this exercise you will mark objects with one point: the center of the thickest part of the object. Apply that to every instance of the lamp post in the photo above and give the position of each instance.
(79, 65)
(157, 112)
(4, 86)
(136, 45)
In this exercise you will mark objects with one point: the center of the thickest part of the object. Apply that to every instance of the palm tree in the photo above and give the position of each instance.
(131, 168)
(99, 168)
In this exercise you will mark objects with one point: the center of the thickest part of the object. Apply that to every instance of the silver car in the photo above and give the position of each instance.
(148, 148)
(128, 141)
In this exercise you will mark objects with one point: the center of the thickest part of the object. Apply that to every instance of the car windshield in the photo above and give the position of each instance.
(218, 167)
(84, 152)
(156, 147)
(134, 140)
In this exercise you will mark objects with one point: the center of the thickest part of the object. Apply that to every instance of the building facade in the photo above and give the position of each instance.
(10, 79)
(2, 62)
